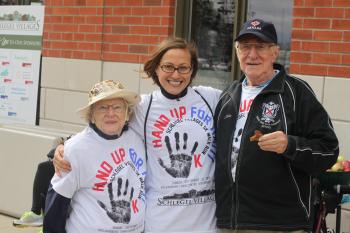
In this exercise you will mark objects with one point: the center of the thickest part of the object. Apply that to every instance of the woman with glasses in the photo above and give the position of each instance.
(178, 128)
(179, 134)
(105, 190)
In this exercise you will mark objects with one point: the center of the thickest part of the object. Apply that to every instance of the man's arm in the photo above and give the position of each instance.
(313, 146)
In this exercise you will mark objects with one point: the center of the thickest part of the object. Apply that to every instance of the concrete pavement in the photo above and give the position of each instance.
(6, 226)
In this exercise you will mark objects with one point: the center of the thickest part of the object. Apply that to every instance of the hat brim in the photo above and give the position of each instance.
(257, 34)
(131, 97)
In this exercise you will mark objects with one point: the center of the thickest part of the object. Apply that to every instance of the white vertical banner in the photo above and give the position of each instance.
(21, 30)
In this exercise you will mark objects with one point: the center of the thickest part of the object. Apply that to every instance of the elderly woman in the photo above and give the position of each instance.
(105, 190)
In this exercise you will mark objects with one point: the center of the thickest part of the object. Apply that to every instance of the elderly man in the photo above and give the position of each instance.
(272, 137)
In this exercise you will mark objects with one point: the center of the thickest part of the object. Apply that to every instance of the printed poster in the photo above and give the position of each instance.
(21, 30)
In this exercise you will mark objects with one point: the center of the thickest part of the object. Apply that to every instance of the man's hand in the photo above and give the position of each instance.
(274, 142)
(60, 164)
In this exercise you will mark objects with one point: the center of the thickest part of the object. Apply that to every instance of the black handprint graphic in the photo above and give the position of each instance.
(235, 149)
(120, 211)
(180, 163)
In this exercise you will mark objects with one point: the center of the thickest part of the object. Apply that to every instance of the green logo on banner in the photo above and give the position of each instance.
(20, 42)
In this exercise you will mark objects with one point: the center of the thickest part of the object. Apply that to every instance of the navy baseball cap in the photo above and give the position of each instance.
(264, 30)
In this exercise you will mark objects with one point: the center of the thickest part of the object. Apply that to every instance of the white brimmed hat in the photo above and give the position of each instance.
(109, 89)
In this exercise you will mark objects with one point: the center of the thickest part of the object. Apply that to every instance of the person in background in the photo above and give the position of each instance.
(272, 137)
(177, 124)
(104, 192)
(43, 175)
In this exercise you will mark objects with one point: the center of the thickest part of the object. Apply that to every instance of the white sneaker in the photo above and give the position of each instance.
(29, 219)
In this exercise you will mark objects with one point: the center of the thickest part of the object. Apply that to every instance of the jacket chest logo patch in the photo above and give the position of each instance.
(269, 112)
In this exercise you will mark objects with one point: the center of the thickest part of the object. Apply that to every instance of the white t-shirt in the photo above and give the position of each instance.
(181, 161)
(247, 97)
(106, 184)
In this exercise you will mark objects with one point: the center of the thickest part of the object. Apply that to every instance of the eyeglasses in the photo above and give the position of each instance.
(245, 48)
(167, 68)
(116, 108)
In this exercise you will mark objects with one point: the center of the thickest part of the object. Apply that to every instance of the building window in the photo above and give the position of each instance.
(212, 29)
(213, 24)
(281, 16)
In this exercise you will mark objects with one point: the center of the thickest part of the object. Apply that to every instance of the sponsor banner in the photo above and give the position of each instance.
(21, 29)
(20, 42)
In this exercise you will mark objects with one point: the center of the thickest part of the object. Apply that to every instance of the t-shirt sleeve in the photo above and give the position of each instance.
(68, 183)
(138, 118)
(211, 95)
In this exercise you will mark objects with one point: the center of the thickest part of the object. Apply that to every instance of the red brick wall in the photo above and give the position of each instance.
(128, 30)
(109, 30)
(321, 38)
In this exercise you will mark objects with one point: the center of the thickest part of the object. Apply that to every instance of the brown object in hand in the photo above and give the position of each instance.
(256, 136)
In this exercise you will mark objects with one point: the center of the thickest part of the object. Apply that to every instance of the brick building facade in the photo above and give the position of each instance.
(111, 30)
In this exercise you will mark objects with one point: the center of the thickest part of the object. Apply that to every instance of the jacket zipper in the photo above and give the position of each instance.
(237, 170)
(238, 160)
(233, 211)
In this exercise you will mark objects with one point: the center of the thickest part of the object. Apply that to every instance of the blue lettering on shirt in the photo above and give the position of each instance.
(202, 115)
(138, 162)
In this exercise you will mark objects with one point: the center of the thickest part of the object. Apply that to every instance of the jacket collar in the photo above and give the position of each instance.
(277, 84)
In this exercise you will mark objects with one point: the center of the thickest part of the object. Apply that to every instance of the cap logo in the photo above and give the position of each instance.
(255, 23)
(254, 26)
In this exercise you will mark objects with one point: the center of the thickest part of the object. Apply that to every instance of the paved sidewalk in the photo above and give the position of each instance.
(6, 226)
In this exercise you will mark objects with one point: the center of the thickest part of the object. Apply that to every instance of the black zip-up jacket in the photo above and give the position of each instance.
(272, 191)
